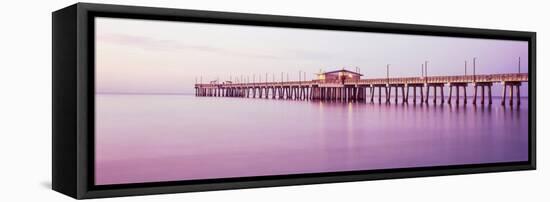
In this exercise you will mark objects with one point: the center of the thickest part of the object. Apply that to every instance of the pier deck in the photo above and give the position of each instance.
(357, 90)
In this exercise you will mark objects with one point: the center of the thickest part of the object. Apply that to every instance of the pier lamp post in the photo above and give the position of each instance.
(422, 68)
(426, 67)
(426, 82)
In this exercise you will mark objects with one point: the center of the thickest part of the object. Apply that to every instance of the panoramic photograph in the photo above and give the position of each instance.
(178, 101)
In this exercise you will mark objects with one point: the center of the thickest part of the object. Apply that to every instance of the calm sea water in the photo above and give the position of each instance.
(151, 138)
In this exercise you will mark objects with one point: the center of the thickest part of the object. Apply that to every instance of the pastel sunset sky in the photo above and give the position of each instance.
(150, 56)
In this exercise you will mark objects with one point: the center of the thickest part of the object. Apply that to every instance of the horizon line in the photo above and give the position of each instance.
(176, 93)
(146, 93)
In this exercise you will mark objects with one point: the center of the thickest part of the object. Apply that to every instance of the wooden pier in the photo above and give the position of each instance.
(364, 89)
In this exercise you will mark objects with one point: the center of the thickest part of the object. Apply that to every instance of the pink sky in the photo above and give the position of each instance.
(148, 56)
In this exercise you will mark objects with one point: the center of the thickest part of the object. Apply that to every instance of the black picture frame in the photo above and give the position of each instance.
(73, 99)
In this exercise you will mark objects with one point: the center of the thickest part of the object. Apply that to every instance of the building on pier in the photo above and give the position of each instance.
(339, 75)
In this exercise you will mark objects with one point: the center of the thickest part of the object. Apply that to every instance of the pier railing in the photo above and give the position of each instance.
(357, 90)
(493, 78)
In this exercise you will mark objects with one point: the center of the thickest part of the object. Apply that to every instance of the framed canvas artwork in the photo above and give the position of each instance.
(156, 100)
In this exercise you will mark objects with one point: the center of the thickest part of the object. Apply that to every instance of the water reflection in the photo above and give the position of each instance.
(145, 138)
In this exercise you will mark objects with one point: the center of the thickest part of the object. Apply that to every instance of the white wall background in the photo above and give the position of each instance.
(25, 104)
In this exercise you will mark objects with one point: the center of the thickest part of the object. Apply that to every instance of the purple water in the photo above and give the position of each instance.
(152, 138)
